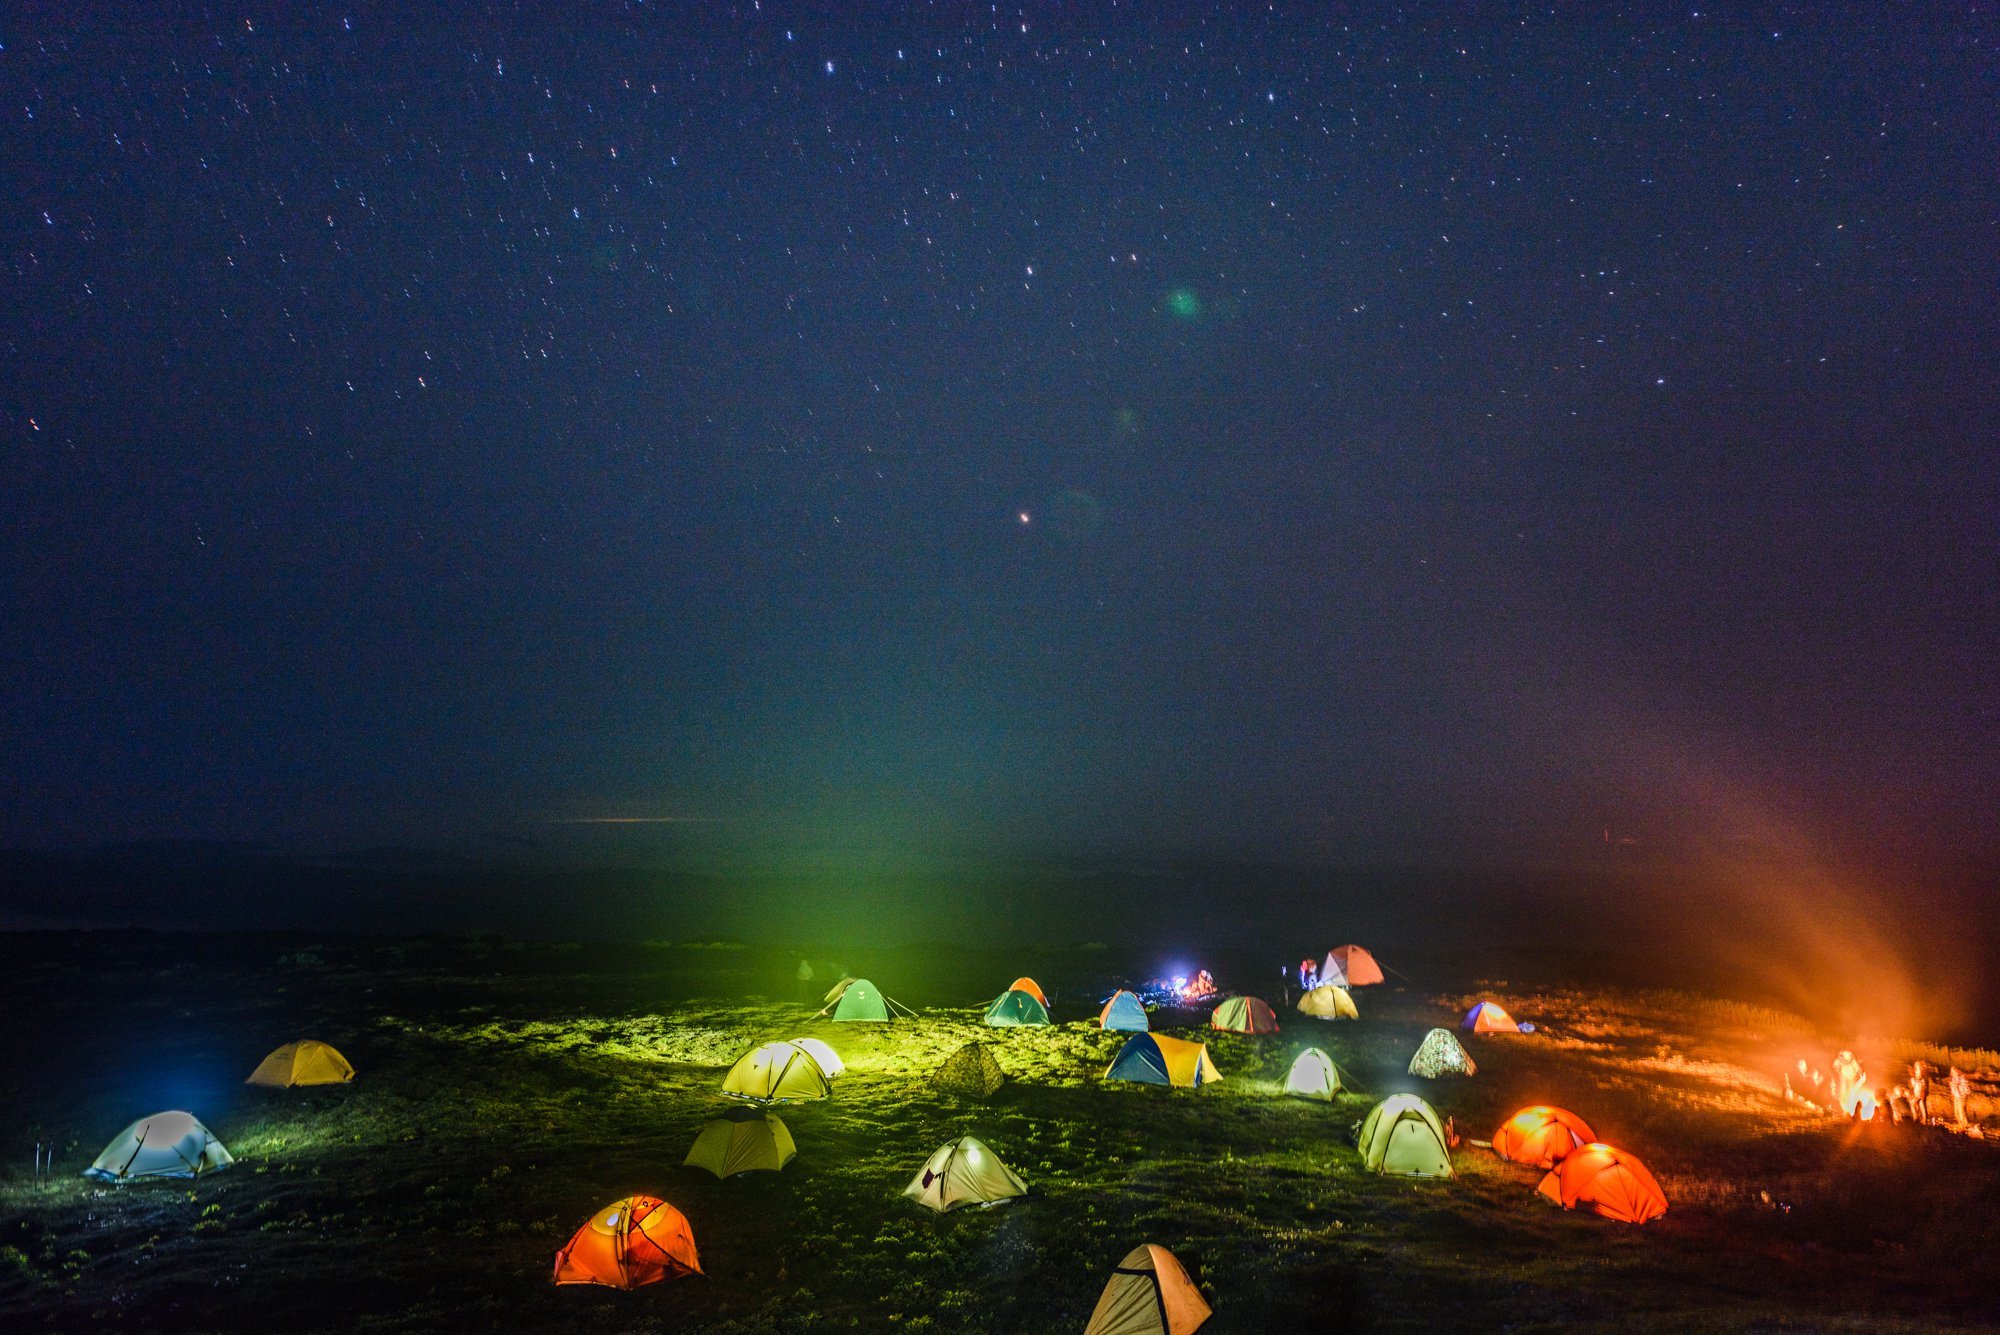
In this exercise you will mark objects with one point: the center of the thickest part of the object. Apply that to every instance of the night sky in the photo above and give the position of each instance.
(1305, 431)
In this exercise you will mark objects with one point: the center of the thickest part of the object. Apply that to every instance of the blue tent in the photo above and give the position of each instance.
(1123, 1011)
(1154, 1059)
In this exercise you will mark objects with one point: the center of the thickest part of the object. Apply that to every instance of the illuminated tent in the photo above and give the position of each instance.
(1123, 1011)
(1329, 1001)
(1148, 1294)
(742, 1140)
(829, 1061)
(1032, 988)
(1350, 966)
(971, 1071)
(167, 1144)
(1441, 1054)
(1541, 1135)
(306, 1062)
(1016, 1008)
(859, 1000)
(1244, 1015)
(1609, 1181)
(1487, 1018)
(1155, 1059)
(1403, 1138)
(964, 1172)
(639, 1240)
(777, 1073)
(1313, 1076)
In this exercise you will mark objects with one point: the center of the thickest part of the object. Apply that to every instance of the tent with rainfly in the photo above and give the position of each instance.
(1244, 1015)
(1541, 1135)
(972, 1071)
(1441, 1054)
(1124, 1011)
(1609, 1181)
(1488, 1018)
(1350, 966)
(634, 1241)
(1148, 1294)
(1313, 1076)
(1329, 1001)
(167, 1144)
(777, 1073)
(1155, 1059)
(306, 1062)
(964, 1172)
(1403, 1137)
(1014, 1008)
(860, 1000)
(742, 1140)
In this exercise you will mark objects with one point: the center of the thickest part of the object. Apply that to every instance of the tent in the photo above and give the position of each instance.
(829, 1061)
(306, 1062)
(1350, 966)
(1403, 1138)
(1487, 1018)
(1123, 1011)
(167, 1144)
(1541, 1135)
(1148, 1294)
(1032, 988)
(639, 1240)
(859, 1000)
(1016, 1008)
(1244, 1015)
(742, 1140)
(1155, 1059)
(1313, 1076)
(971, 1071)
(1329, 1001)
(964, 1172)
(1609, 1181)
(777, 1073)
(1441, 1054)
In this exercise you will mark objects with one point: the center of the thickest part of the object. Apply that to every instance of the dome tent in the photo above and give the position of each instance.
(1329, 1001)
(964, 1172)
(306, 1062)
(971, 1072)
(1441, 1054)
(1124, 1011)
(1488, 1018)
(1010, 1009)
(1313, 1076)
(1403, 1137)
(1244, 1015)
(827, 1059)
(777, 1073)
(859, 1000)
(1540, 1136)
(1031, 987)
(1609, 1181)
(634, 1241)
(742, 1140)
(1155, 1059)
(167, 1144)
(1350, 966)
(1148, 1294)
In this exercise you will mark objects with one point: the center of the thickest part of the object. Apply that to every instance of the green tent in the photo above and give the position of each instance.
(1016, 1008)
(1403, 1138)
(861, 1000)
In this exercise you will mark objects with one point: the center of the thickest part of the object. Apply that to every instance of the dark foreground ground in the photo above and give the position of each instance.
(508, 1090)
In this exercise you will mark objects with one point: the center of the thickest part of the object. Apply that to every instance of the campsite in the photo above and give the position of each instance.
(506, 1090)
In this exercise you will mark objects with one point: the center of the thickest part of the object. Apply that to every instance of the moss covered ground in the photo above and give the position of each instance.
(507, 1090)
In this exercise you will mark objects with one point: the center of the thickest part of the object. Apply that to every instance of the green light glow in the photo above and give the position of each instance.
(1183, 303)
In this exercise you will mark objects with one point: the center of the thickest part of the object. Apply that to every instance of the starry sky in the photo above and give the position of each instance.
(1355, 433)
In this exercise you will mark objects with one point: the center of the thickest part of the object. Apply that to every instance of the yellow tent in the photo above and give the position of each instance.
(777, 1073)
(1403, 1138)
(1155, 1059)
(306, 1062)
(1329, 1003)
(1148, 1294)
(742, 1140)
(829, 1060)
(964, 1172)
(1313, 1076)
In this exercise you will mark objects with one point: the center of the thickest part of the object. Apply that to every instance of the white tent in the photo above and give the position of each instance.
(167, 1144)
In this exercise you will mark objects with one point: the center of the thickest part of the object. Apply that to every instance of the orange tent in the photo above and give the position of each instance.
(1354, 963)
(1609, 1181)
(1489, 1018)
(639, 1240)
(1244, 1015)
(1541, 1135)
(1029, 986)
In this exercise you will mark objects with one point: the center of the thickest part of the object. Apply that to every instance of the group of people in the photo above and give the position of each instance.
(1848, 1090)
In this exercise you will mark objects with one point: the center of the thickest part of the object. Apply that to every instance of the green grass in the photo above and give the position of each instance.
(504, 1094)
